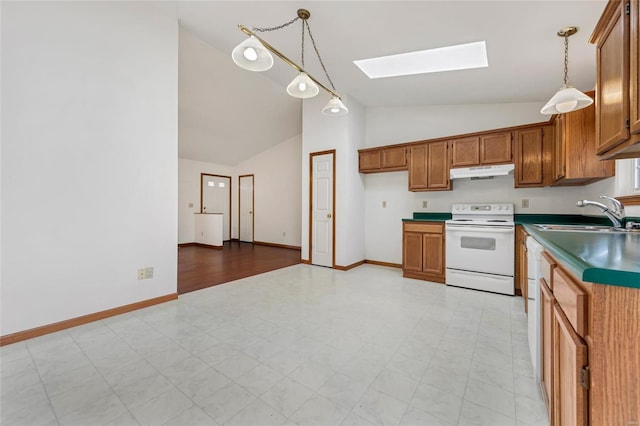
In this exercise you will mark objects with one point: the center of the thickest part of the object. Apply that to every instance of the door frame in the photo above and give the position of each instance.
(202, 175)
(333, 206)
(253, 206)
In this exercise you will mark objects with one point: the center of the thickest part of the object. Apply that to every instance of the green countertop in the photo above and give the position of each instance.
(596, 257)
(603, 258)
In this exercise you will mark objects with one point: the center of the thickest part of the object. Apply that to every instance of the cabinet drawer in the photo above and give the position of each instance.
(431, 228)
(572, 299)
(547, 264)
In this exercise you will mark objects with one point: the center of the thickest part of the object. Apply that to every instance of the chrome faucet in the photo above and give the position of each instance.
(615, 215)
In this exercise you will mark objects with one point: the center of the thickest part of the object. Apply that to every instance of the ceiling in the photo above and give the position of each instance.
(525, 59)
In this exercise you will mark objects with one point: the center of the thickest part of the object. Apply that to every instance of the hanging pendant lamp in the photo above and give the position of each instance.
(335, 107)
(254, 54)
(568, 98)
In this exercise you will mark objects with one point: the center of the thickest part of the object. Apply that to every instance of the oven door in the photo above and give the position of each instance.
(477, 248)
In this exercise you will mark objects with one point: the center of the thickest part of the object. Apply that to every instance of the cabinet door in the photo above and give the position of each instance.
(394, 158)
(369, 161)
(546, 328)
(634, 75)
(418, 168)
(529, 158)
(465, 152)
(433, 254)
(579, 156)
(522, 273)
(559, 149)
(438, 166)
(496, 148)
(612, 85)
(412, 251)
(570, 357)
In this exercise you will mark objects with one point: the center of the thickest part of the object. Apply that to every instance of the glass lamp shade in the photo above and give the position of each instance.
(252, 55)
(567, 99)
(335, 107)
(302, 87)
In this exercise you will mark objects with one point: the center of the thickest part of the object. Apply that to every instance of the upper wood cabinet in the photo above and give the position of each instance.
(428, 167)
(617, 37)
(386, 159)
(494, 148)
(532, 157)
(465, 152)
(574, 153)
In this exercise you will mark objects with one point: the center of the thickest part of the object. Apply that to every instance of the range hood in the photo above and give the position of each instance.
(482, 172)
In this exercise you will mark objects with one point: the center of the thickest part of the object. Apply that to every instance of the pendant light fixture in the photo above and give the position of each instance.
(254, 54)
(568, 98)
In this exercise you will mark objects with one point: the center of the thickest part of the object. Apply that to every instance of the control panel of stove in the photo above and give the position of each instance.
(502, 208)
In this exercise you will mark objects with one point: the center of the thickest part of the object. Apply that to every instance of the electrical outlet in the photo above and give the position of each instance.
(141, 274)
(525, 203)
(425, 203)
(384, 204)
(148, 272)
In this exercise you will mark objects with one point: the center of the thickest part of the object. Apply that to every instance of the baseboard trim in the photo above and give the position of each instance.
(346, 268)
(200, 245)
(264, 243)
(305, 261)
(85, 319)
(387, 264)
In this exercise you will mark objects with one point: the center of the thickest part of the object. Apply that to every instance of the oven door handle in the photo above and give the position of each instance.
(488, 229)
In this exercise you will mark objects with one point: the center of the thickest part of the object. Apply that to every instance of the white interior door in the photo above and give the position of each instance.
(246, 208)
(322, 210)
(216, 198)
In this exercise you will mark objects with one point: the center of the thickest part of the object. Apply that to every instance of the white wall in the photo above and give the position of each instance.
(89, 149)
(387, 126)
(277, 192)
(345, 134)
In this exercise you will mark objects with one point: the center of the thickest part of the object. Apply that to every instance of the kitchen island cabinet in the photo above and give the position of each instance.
(423, 251)
(590, 322)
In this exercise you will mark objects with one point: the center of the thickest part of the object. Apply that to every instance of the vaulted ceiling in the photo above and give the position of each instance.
(228, 114)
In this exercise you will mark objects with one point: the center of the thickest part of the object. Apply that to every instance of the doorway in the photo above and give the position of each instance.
(246, 216)
(322, 209)
(215, 197)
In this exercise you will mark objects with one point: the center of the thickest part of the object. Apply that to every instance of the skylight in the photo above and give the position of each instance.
(449, 58)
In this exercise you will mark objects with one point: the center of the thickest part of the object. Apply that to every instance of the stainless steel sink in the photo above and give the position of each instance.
(578, 228)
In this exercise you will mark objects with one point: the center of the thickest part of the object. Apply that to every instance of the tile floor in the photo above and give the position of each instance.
(302, 345)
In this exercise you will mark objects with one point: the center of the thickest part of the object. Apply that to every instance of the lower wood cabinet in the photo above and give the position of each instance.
(423, 251)
(570, 373)
(590, 349)
(521, 267)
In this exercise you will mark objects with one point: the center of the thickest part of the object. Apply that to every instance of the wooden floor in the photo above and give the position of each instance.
(201, 267)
